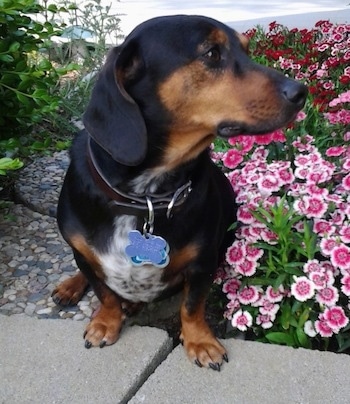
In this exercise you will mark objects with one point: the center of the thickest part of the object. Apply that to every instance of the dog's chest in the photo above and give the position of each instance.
(134, 283)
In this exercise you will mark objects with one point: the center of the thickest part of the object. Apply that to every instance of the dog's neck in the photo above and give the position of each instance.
(141, 190)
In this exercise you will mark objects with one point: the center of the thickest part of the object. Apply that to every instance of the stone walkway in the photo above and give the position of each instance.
(33, 256)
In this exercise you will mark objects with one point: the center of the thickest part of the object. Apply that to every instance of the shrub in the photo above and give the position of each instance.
(28, 79)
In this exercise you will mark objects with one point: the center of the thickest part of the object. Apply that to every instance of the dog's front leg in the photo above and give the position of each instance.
(199, 341)
(105, 326)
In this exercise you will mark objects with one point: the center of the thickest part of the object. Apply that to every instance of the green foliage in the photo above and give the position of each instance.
(28, 79)
(7, 163)
(44, 85)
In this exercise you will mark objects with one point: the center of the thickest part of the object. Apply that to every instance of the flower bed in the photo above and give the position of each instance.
(287, 275)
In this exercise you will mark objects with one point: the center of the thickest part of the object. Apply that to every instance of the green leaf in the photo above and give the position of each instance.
(290, 269)
(14, 47)
(344, 345)
(280, 338)
(52, 8)
(7, 163)
(40, 93)
(6, 58)
(286, 313)
(303, 338)
(23, 99)
(45, 65)
(279, 281)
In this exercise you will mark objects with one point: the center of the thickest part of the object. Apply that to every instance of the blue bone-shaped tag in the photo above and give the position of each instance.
(147, 249)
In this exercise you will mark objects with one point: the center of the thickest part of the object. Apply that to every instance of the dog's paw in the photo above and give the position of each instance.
(205, 352)
(103, 329)
(70, 291)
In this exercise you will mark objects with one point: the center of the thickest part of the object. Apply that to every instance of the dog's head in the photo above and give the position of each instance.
(190, 78)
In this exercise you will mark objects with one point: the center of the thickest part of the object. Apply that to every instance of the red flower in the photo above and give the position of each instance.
(344, 79)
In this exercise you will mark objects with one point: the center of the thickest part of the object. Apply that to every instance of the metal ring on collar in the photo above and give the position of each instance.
(149, 222)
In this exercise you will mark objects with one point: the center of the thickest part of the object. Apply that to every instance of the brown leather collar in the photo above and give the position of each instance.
(135, 204)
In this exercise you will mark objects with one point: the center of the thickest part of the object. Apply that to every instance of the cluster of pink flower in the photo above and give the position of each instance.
(260, 183)
(310, 190)
(341, 116)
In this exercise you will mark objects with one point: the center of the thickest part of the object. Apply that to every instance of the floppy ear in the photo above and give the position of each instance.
(112, 117)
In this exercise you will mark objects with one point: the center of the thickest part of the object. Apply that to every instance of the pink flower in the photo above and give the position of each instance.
(344, 234)
(302, 288)
(322, 327)
(268, 184)
(269, 236)
(327, 245)
(345, 288)
(313, 189)
(312, 266)
(346, 182)
(318, 279)
(335, 151)
(285, 175)
(231, 286)
(340, 257)
(323, 227)
(264, 139)
(328, 296)
(273, 295)
(242, 320)
(315, 207)
(246, 268)
(242, 143)
(301, 172)
(248, 295)
(232, 158)
(244, 215)
(267, 307)
(301, 114)
(236, 253)
(253, 253)
(264, 320)
(335, 318)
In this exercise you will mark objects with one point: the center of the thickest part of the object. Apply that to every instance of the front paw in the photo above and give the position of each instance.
(205, 351)
(103, 329)
(70, 291)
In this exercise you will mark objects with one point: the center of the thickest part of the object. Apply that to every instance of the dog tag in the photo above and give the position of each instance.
(147, 249)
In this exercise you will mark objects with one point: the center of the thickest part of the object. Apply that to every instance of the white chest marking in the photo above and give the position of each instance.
(134, 283)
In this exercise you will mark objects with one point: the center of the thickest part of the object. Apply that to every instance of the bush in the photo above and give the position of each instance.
(28, 79)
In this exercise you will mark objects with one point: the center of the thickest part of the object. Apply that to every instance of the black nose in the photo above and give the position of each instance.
(295, 92)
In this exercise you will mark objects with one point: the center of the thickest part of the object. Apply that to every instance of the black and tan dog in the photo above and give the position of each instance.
(142, 206)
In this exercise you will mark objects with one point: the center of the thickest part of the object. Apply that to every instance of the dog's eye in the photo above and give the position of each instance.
(213, 54)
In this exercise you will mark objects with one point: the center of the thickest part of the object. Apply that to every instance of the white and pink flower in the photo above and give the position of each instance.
(335, 318)
(248, 295)
(328, 295)
(302, 288)
(242, 320)
(340, 257)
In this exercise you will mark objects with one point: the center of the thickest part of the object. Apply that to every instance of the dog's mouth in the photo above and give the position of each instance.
(230, 129)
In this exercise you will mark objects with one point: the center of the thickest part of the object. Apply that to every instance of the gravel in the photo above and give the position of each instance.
(34, 258)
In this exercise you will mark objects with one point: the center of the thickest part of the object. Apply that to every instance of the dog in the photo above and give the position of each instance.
(143, 207)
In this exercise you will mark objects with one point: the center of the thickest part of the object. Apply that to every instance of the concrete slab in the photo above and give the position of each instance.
(257, 373)
(44, 361)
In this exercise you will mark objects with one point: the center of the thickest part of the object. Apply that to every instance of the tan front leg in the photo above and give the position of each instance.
(199, 342)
